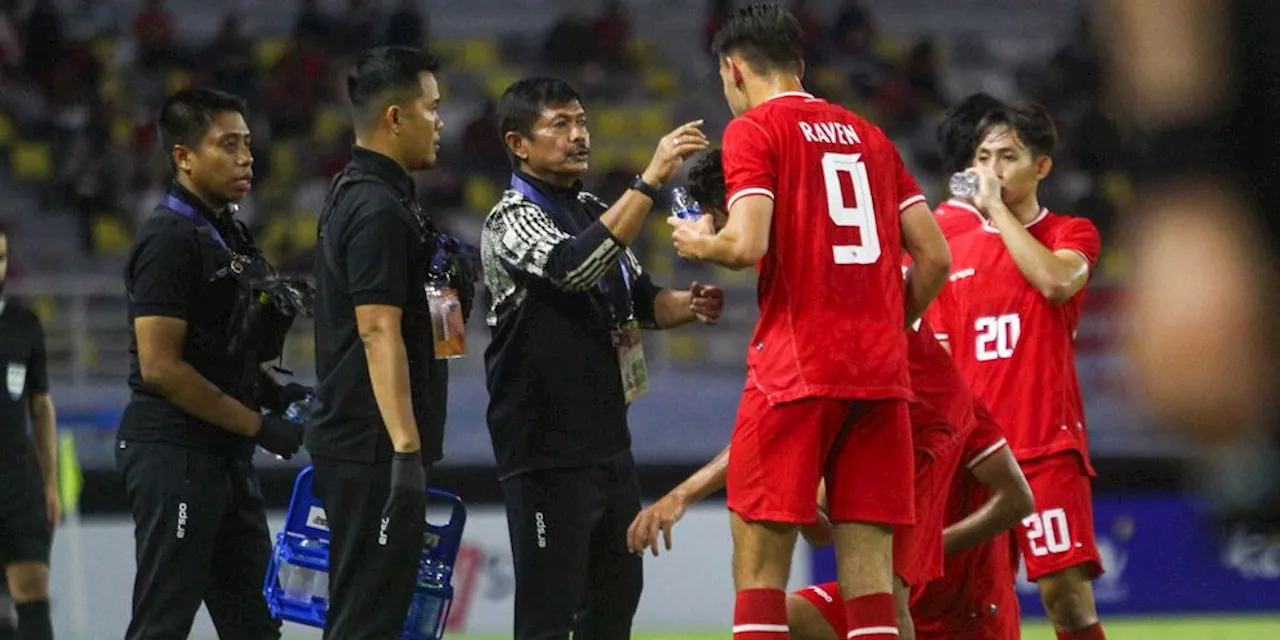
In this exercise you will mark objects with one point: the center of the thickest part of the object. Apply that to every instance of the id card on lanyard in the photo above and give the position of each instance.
(625, 334)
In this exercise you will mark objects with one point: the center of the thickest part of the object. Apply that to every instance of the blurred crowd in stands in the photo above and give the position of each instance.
(76, 104)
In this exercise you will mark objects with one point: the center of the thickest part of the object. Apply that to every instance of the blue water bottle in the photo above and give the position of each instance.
(683, 205)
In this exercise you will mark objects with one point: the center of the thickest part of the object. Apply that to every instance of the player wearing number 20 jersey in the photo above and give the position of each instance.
(831, 314)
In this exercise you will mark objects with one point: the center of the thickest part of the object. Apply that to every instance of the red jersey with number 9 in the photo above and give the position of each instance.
(830, 287)
(1015, 348)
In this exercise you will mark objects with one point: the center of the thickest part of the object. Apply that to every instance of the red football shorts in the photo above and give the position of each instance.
(917, 549)
(1059, 535)
(976, 600)
(826, 598)
(862, 448)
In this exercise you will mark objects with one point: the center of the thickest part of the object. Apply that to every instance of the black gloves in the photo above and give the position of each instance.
(408, 484)
(279, 436)
(276, 398)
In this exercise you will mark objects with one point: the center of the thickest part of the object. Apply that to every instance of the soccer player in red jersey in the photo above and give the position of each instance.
(946, 421)
(1010, 314)
(957, 136)
(820, 200)
(950, 427)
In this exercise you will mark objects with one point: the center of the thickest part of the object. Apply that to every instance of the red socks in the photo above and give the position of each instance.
(1091, 632)
(760, 614)
(873, 617)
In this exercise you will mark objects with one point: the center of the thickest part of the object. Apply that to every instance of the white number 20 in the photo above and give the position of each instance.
(997, 336)
(860, 214)
(1047, 532)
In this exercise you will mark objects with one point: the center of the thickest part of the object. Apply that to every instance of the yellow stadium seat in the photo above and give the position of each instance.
(270, 51)
(110, 235)
(6, 131)
(478, 53)
(640, 51)
(121, 130)
(177, 80)
(104, 50)
(32, 161)
(639, 156)
(652, 122)
(1117, 188)
(303, 231)
(498, 82)
(662, 82)
(284, 164)
(329, 125)
(610, 124)
(603, 157)
(888, 47)
(112, 88)
(45, 308)
(481, 194)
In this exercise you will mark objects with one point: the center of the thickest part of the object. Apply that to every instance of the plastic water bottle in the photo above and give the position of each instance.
(300, 583)
(300, 410)
(964, 185)
(683, 205)
(428, 599)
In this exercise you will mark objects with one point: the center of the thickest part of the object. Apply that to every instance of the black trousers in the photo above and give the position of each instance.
(569, 546)
(201, 536)
(373, 557)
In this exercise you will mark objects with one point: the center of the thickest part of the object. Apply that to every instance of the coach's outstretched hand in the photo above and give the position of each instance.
(660, 516)
(673, 149)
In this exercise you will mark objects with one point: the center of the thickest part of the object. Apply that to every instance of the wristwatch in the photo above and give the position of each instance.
(644, 187)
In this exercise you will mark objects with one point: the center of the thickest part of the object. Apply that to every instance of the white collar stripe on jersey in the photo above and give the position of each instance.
(1044, 213)
(791, 94)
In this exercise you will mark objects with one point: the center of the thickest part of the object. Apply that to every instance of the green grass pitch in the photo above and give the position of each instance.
(1165, 628)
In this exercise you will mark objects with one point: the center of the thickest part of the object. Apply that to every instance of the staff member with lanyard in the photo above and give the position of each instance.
(566, 302)
(206, 311)
(386, 281)
(29, 506)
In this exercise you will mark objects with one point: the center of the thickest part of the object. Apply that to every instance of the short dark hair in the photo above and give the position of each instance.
(1030, 120)
(4, 229)
(522, 103)
(706, 180)
(768, 38)
(187, 115)
(958, 131)
(382, 71)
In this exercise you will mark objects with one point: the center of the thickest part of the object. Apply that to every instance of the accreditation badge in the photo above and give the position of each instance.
(16, 379)
(635, 373)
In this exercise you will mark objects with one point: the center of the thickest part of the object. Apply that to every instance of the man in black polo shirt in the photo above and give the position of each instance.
(29, 506)
(382, 389)
(566, 298)
(188, 434)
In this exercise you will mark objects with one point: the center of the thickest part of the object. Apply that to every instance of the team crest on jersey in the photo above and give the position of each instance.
(16, 379)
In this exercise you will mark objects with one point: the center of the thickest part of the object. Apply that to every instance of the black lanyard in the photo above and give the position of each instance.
(185, 210)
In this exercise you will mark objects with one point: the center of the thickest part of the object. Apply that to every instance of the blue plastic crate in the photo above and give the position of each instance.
(304, 544)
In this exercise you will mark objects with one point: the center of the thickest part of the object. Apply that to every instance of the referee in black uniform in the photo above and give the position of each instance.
(189, 431)
(29, 507)
(382, 390)
(566, 298)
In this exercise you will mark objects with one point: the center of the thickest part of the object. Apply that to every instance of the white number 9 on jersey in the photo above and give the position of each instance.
(860, 214)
